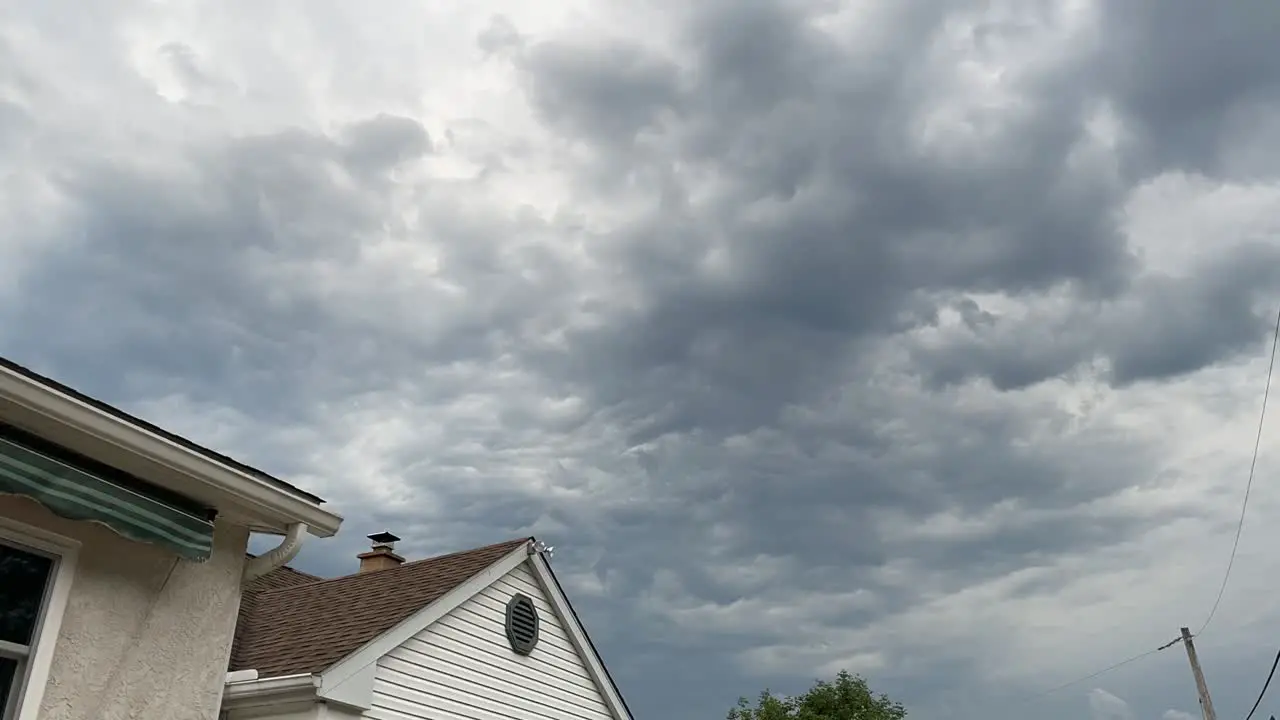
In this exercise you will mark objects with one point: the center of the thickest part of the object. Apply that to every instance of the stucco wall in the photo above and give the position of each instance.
(145, 635)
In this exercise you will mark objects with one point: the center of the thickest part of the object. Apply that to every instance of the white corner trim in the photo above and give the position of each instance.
(595, 667)
(253, 493)
(67, 552)
(335, 676)
(355, 692)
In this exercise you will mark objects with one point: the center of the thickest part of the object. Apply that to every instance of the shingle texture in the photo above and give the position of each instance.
(291, 622)
(282, 577)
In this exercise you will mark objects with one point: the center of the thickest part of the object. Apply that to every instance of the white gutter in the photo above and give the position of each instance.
(268, 691)
(287, 550)
(254, 494)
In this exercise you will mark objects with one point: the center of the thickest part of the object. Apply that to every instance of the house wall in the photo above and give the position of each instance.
(462, 666)
(144, 635)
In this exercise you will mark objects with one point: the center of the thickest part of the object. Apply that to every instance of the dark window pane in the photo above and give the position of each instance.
(8, 670)
(23, 577)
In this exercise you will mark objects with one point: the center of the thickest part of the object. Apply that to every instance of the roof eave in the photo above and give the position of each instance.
(274, 506)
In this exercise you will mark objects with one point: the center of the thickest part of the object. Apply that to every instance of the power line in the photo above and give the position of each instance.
(1235, 546)
(1253, 464)
(1271, 674)
(1105, 670)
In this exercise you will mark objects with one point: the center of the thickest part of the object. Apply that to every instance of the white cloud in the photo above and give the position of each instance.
(1105, 706)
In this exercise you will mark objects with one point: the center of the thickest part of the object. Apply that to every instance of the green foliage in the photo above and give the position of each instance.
(848, 698)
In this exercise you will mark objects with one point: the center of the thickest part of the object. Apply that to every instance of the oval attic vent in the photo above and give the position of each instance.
(522, 624)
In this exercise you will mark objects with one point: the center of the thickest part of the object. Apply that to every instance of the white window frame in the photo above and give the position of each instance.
(65, 553)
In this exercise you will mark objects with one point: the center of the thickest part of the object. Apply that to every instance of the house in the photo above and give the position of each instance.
(485, 634)
(122, 558)
(126, 592)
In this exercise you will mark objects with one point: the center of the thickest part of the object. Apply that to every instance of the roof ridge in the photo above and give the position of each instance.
(318, 580)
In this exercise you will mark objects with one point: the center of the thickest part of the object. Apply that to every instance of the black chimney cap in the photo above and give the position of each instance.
(383, 538)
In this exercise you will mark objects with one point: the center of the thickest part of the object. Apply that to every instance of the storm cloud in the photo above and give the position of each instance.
(924, 340)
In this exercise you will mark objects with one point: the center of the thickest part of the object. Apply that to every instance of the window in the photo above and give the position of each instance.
(25, 579)
(36, 571)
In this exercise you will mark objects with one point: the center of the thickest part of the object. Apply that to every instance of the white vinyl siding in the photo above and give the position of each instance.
(461, 667)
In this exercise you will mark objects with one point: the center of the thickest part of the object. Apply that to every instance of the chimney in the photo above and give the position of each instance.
(382, 556)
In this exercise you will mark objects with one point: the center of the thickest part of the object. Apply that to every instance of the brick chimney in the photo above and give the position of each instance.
(382, 556)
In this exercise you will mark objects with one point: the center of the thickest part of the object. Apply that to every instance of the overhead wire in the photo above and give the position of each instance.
(1235, 546)
(1105, 670)
(1266, 684)
(1253, 464)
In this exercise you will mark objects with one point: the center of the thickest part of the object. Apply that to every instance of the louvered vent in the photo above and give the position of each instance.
(522, 624)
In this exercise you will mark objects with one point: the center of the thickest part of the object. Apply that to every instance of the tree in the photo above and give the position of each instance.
(848, 698)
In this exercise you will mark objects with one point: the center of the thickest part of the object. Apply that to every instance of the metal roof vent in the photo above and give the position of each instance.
(522, 624)
(383, 540)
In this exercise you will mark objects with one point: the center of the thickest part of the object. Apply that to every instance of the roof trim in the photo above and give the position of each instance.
(350, 667)
(261, 494)
(578, 634)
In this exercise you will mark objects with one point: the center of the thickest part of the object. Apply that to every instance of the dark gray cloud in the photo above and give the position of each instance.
(859, 222)
(1165, 327)
(1189, 77)
(810, 338)
(188, 239)
(828, 223)
(831, 232)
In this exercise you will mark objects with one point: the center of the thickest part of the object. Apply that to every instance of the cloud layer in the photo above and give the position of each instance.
(924, 341)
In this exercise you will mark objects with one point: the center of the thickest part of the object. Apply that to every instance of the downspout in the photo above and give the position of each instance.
(287, 550)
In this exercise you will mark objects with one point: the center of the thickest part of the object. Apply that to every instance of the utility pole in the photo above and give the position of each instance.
(1206, 704)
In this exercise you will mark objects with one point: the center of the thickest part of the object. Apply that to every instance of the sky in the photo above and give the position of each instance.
(924, 340)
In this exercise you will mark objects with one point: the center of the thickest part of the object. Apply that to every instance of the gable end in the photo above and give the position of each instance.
(511, 647)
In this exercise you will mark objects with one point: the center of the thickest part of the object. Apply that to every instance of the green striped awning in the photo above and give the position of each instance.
(72, 491)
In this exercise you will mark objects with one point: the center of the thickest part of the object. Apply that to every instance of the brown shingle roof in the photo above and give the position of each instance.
(292, 623)
(281, 577)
